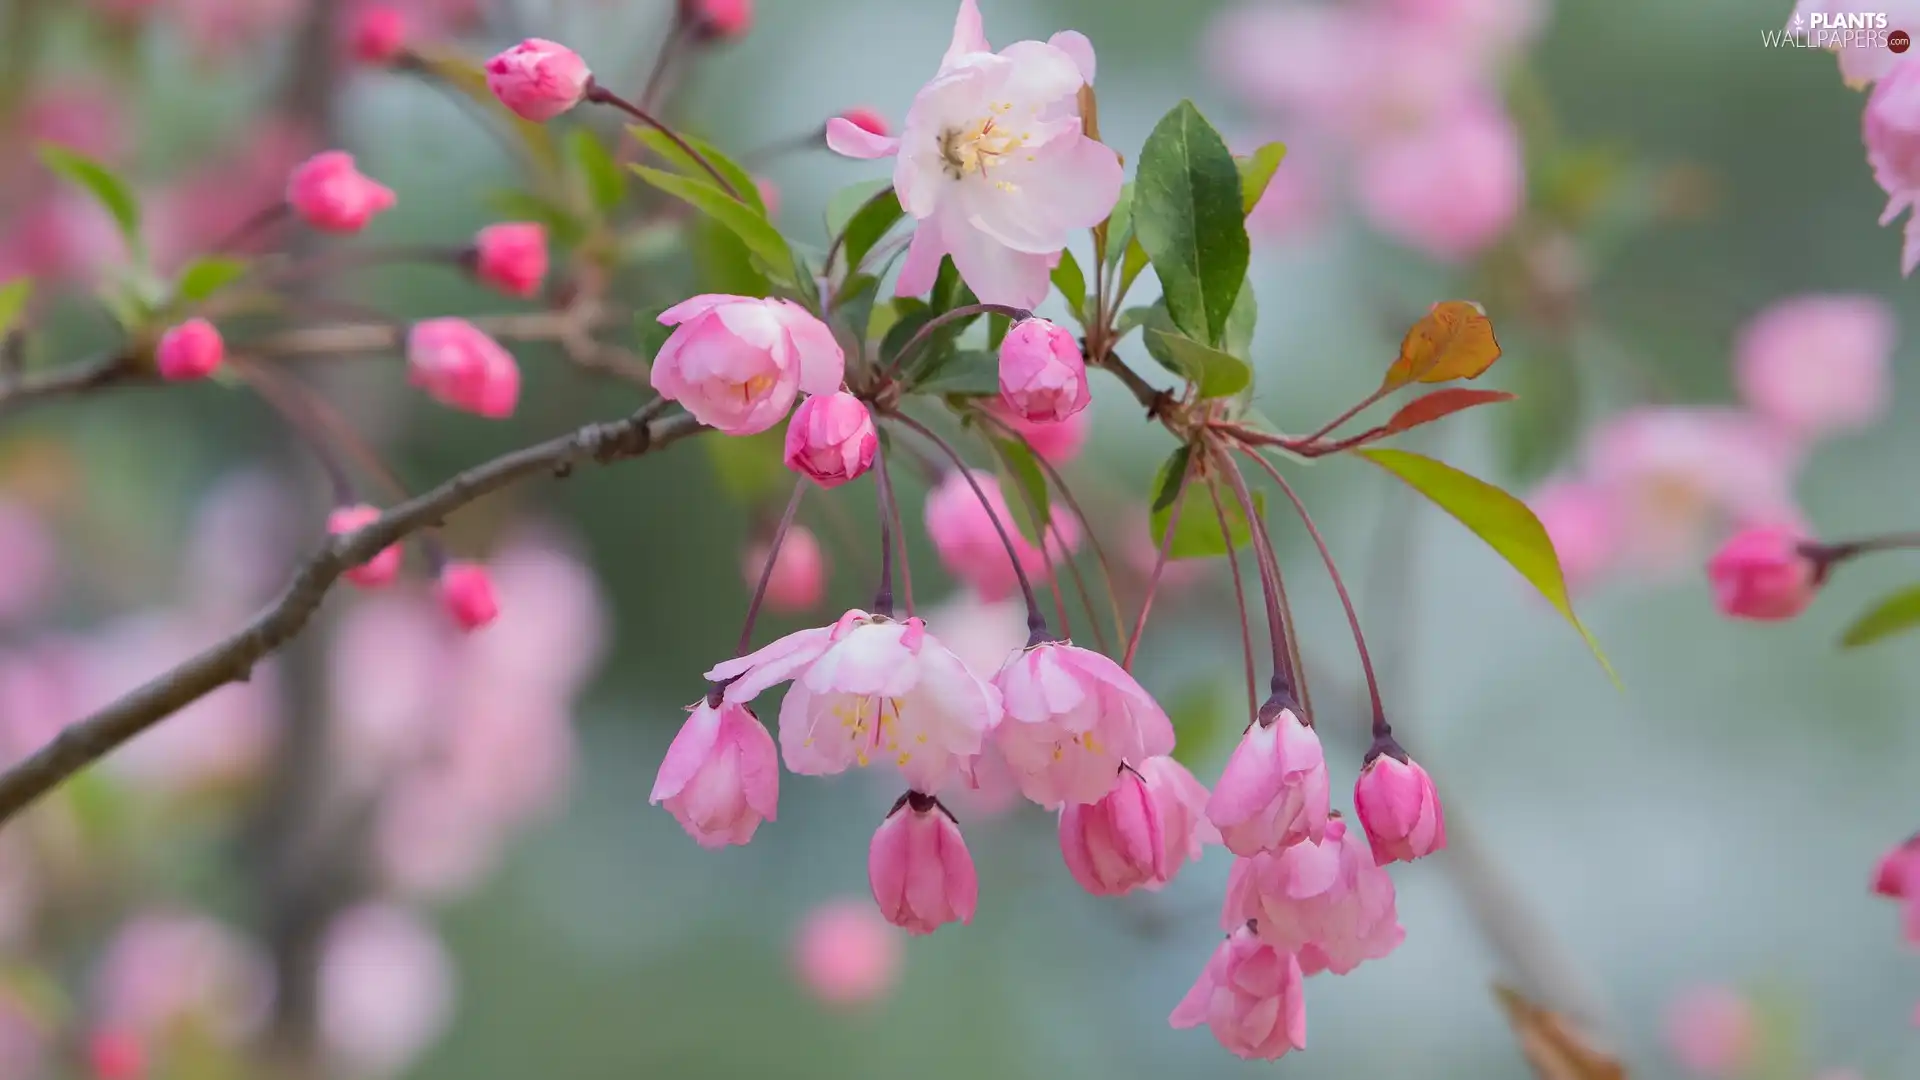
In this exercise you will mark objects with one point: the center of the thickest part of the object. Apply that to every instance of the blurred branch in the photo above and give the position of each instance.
(71, 380)
(232, 660)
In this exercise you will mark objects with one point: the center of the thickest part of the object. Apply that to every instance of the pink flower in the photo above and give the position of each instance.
(799, 580)
(970, 547)
(377, 33)
(512, 257)
(736, 363)
(918, 866)
(1897, 877)
(165, 969)
(996, 168)
(1140, 833)
(114, 1055)
(1251, 997)
(831, 439)
(1056, 443)
(191, 350)
(462, 368)
(386, 988)
(1761, 574)
(718, 19)
(721, 776)
(1328, 901)
(1073, 717)
(331, 195)
(1818, 364)
(539, 79)
(1581, 521)
(466, 592)
(1863, 58)
(867, 120)
(845, 953)
(869, 687)
(1712, 1032)
(1043, 377)
(383, 567)
(1449, 189)
(1890, 126)
(1399, 808)
(1274, 789)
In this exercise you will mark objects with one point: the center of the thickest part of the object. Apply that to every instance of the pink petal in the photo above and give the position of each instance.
(689, 750)
(759, 767)
(969, 35)
(851, 140)
(693, 307)
(1075, 45)
(922, 265)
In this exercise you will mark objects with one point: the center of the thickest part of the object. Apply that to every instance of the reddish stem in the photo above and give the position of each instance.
(1240, 602)
(1159, 565)
(766, 572)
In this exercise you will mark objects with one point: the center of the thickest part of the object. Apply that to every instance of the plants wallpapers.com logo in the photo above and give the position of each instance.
(1843, 30)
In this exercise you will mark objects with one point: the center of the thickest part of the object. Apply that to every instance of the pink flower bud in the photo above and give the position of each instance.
(1140, 834)
(331, 195)
(718, 19)
(192, 350)
(1712, 1032)
(1043, 377)
(1274, 789)
(1057, 442)
(1761, 574)
(467, 593)
(799, 580)
(737, 362)
(846, 954)
(1898, 878)
(831, 439)
(1817, 365)
(539, 79)
(721, 776)
(868, 120)
(919, 868)
(377, 33)
(1326, 901)
(511, 257)
(463, 368)
(1399, 809)
(115, 1055)
(1251, 997)
(383, 567)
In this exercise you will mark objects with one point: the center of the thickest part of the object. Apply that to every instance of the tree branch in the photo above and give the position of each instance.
(71, 380)
(232, 660)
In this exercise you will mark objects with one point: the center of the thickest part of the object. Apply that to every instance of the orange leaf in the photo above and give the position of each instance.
(1555, 1049)
(1454, 341)
(1430, 407)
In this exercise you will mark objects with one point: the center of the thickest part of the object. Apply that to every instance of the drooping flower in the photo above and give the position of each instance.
(1073, 717)
(737, 362)
(993, 164)
(1043, 377)
(383, 567)
(799, 580)
(963, 533)
(1399, 808)
(869, 688)
(1140, 834)
(466, 592)
(1890, 127)
(1274, 789)
(919, 868)
(459, 366)
(539, 79)
(331, 195)
(1327, 901)
(191, 350)
(1818, 364)
(831, 439)
(1712, 1032)
(1251, 996)
(511, 257)
(721, 776)
(845, 953)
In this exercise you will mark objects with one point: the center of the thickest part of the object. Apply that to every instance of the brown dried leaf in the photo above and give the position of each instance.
(1453, 341)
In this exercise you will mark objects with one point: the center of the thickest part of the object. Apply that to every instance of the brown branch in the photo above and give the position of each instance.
(72, 380)
(232, 660)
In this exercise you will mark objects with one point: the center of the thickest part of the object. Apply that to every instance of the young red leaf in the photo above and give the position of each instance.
(1430, 407)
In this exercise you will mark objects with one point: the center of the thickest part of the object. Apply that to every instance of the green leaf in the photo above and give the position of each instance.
(909, 315)
(1120, 224)
(1240, 322)
(848, 201)
(1893, 614)
(1072, 283)
(723, 262)
(870, 224)
(750, 467)
(745, 190)
(1256, 172)
(648, 333)
(565, 226)
(853, 305)
(1207, 718)
(749, 224)
(13, 300)
(967, 373)
(1029, 494)
(100, 182)
(1215, 373)
(1186, 212)
(997, 327)
(606, 185)
(1172, 476)
(1197, 533)
(207, 275)
(1504, 522)
(950, 291)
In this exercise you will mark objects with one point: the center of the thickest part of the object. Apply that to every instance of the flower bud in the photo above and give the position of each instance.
(191, 350)
(511, 257)
(539, 79)
(721, 776)
(467, 593)
(1761, 574)
(799, 580)
(376, 33)
(328, 193)
(919, 868)
(717, 20)
(1043, 377)
(1274, 789)
(463, 368)
(383, 567)
(831, 439)
(1897, 877)
(1399, 809)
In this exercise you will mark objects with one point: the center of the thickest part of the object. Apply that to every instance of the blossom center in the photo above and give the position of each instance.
(971, 149)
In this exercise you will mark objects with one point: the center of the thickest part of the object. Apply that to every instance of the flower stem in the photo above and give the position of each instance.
(890, 531)
(766, 572)
(1159, 566)
(1239, 601)
(602, 96)
(264, 218)
(1285, 677)
(1827, 556)
(283, 405)
(669, 47)
(919, 339)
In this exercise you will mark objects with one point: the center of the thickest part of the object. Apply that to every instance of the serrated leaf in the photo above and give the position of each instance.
(967, 373)
(102, 183)
(207, 275)
(1256, 172)
(751, 226)
(1030, 499)
(1186, 214)
(605, 184)
(1430, 407)
(1197, 533)
(869, 224)
(1214, 373)
(1452, 341)
(1893, 614)
(750, 467)
(1072, 283)
(744, 189)
(13, 300)
(1504, 522)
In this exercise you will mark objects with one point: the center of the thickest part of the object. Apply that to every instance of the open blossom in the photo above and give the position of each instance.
(511, 256)
(1818, 364)
(868, 688)
(799, 579)
(993, 164)
(1399, 809)
(1056, 442)
(1251, 996)
(1274, 789)
(919, 868)
(1328, 901)
(331, 195)
(1450, 188)
(1140, 834)
(192, 350)
(845, 953)
(1898, 878)
(1760, 573)
(539, 79)
(1043, 377)
(721, 776)
(831, 439)
(1890, 127)
(737, 363)
(461, 367)
(1073, 717)
(963, 533)
(1712, 1032)
(467, 594)
(380, 569)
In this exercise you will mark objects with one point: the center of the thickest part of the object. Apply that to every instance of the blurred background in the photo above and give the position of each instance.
(512, 905)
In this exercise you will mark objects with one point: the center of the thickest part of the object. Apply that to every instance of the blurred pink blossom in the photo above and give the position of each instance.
(799, 580)
(1863, 61)
(1712, 1032)
(1581, 521)
(845, 953)
(386, 988)
(211, 201)
(1056, 442)
(1818, 364)
(1448, 189)
(962, 525)
(1890, 127)
(30, 556)
(163, 969)
(219, 27)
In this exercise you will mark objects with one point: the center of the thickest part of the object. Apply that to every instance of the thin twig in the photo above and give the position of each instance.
(1240, 602)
